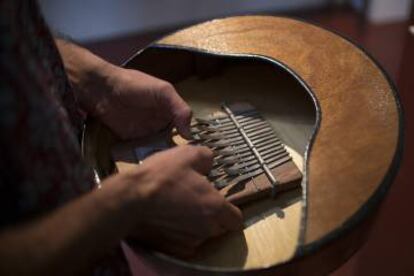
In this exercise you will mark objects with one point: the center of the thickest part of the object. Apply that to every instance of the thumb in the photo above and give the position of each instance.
(180, 111)
(182, 120)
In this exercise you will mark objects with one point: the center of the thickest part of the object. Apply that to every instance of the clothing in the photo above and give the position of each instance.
(41, 166)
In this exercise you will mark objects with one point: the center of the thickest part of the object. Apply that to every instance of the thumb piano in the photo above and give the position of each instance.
(307, 141)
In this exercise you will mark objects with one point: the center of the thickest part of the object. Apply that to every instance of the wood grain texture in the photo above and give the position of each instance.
(287, 107)
(359, 126)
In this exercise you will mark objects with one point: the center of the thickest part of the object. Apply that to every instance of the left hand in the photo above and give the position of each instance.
(131, 103)
(134, 104)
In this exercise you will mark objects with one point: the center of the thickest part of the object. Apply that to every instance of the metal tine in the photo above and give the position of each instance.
(211, 136)
(218, 144)
(252, 161)
(227, 151)
(241, 115)
(215, 173)
(279, 162)
(223, 182)
(253, 134)
(256, 133)
(234, 160)
(237, 141)
(218, 135)
(223, 143)
(220, 184)
(246, 156)
(245, 148)
(276, 149)
(230, 150)
(237, 134)
(254, 173)
(242, 169)
(269, 156)
(208, 128)
(232, 128)
(265, 139)
(270, 145)
(253, 124)
(241, 119)
(228, 127)
(248, 167)
(207, 134)
(228, 160)
(261, 123)
(266, 154)
(203, 130)
(199, 129)
(201, 121)
(223, 121)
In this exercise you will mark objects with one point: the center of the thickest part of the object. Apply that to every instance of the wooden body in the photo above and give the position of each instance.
(329, 103)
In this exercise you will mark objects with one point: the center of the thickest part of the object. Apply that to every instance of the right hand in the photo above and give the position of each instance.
(179, 208)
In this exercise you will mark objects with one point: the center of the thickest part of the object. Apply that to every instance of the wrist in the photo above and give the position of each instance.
(93, 87)
(87, 73)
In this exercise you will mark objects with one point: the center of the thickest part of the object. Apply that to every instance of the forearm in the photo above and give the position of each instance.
(70, 238)
(87, 73)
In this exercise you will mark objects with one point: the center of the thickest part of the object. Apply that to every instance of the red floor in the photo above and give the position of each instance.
(389, 249)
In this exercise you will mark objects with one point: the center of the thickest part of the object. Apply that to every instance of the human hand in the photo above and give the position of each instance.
(179, 209)
(131, 103)
(134, 104)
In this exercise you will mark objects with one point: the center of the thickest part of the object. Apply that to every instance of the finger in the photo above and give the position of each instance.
(216, 230)
(200, 159)
(180, 110)
(230, 217)
(182, 121)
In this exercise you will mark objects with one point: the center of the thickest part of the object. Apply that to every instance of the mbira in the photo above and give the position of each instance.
(306, 129)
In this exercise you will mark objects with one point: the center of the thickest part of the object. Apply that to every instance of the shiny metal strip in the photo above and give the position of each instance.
(263, 165)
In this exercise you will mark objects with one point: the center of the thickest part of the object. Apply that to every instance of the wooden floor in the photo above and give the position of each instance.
(389, 249)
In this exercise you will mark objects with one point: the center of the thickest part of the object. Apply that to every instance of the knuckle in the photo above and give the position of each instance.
(191, 152)
(204, 153)
(184, 112)
(186, 151)
(213, 207)
(165, 86)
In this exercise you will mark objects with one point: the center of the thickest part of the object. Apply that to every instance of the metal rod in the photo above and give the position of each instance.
(266, 170)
